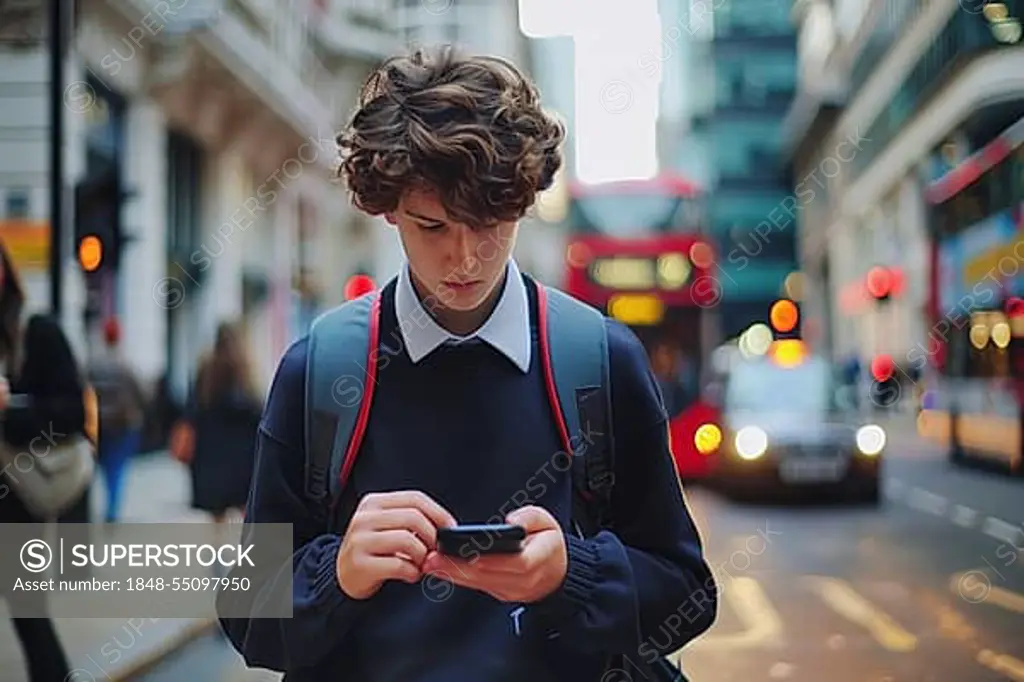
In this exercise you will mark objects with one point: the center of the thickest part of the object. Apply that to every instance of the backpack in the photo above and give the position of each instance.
(341, 375)
(117, 401)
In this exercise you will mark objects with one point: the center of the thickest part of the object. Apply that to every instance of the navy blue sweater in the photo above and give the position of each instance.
(465, 426)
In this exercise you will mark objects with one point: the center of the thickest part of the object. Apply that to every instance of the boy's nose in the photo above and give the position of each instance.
(465, 251)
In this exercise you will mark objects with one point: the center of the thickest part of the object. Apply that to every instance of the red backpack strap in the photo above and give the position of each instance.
(549, 375)
(574, 351)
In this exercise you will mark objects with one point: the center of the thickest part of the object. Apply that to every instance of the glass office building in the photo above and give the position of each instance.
(753, 55)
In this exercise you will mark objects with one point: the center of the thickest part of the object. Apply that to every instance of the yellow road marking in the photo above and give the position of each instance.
(762, 624)
(844, 600)
(980, 590)
(1002, 663)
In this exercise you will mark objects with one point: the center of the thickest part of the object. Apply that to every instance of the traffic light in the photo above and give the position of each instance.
(885, 385)
(881, 283)
(882, 368)
(357, 285)
(90, 253)
(99, 236)
(785, 319)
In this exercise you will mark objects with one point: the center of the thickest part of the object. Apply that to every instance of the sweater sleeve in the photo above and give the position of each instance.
(322, 615)
(648, 576)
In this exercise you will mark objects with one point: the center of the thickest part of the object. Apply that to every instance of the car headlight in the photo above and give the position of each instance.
(707, 438)
(871, 439)
(751, 442)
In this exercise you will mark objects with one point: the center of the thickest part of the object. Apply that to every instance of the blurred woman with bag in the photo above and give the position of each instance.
(217, 436)
(47, 459)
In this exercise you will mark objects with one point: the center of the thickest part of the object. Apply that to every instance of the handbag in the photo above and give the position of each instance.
(50, 480)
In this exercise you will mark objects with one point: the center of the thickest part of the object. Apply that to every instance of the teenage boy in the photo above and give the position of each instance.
(453, 151)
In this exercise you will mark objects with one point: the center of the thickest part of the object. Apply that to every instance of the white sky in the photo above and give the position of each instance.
(616, 88)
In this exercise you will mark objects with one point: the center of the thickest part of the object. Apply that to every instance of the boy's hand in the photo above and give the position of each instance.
(526, 577)
(388, 538)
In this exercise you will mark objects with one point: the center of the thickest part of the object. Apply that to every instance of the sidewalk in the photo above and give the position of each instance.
(115, 649)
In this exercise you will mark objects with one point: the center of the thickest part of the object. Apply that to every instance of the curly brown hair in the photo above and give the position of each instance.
(470, 128)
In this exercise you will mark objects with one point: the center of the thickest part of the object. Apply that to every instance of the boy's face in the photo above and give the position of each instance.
(459, 266)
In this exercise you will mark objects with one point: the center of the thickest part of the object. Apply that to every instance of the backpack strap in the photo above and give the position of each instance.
(574, 349)
(341, 372)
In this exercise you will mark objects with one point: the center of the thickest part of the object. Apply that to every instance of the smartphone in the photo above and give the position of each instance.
(466, 541)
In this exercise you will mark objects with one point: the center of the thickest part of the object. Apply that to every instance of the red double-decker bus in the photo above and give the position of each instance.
(637, 254)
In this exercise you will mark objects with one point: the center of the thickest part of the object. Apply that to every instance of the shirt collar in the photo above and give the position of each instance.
(507, 329)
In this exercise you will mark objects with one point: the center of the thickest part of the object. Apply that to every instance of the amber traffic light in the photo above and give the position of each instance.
(90, 253)
(784, 316)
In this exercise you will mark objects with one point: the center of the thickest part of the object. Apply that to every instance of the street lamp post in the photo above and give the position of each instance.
(60, 13)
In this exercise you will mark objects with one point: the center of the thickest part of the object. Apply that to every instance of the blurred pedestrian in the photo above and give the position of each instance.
(162, 413)
(38, 363)
(675, 374)
(220, 427)
(122, 405)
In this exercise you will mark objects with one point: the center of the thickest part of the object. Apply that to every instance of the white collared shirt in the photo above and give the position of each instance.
(507, 329)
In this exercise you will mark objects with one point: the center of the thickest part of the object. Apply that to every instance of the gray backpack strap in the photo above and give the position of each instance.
(577, 345)
(339, 390)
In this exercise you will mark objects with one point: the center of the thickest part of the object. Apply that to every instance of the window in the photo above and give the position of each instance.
(892, 21)
(997, 190)
(760, 385)
(747, 148)
(760, 241)
(964, 36)
(768, 80)
(626, 215)
(753, 18)
(17, 204)
(746, 208)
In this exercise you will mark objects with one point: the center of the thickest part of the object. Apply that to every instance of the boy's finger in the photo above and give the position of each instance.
(416, 499)
(532, 519)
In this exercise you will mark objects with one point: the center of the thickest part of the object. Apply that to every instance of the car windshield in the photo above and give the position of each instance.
(764, 386)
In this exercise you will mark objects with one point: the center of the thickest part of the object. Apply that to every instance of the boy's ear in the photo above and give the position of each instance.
(390, 217)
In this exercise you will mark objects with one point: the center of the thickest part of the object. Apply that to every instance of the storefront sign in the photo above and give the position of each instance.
(983, 260)
(27, 242)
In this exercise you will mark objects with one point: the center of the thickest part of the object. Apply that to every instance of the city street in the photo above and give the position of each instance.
(929, 587)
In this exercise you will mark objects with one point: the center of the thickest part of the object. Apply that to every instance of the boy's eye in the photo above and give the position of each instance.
(431, 227)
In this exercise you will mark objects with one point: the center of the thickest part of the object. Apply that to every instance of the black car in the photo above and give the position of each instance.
(787, 426)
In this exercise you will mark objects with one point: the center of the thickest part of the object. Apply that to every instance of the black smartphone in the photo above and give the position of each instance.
(466, 541)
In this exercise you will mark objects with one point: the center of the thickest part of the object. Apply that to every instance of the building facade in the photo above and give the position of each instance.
(206, 132)
(923, 84)
(753, 57)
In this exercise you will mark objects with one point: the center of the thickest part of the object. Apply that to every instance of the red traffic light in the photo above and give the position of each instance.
(880, 282)
(358, 285)
(882, 368)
